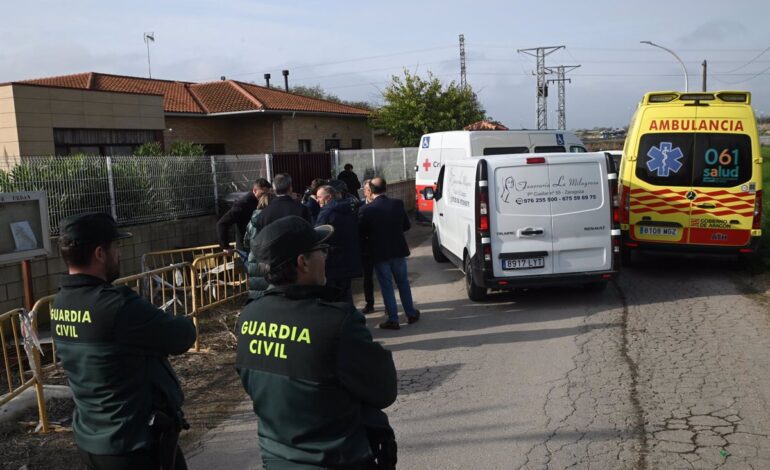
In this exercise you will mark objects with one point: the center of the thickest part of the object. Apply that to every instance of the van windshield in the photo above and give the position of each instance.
(714, 160)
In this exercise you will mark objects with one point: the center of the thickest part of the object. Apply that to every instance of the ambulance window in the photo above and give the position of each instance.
(505, 150)
(665, 159)
(721, 160)
(577, 149)
(550, 149)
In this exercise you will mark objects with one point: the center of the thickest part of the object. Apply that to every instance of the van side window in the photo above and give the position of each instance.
(550, 149)
(439, 185)
(504, 150)
(577, 149)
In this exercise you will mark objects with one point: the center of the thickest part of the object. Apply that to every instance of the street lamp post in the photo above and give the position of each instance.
(684, 69)
(148, 38)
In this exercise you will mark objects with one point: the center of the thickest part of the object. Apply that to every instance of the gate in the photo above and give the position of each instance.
(303, 167)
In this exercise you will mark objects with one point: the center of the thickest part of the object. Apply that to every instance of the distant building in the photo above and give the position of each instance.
(95, 113)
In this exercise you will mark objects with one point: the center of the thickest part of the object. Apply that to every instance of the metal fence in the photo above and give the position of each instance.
(396, 164)
(138, 190)
(134, 189)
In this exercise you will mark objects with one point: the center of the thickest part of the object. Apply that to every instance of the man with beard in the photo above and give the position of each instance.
(114, 347)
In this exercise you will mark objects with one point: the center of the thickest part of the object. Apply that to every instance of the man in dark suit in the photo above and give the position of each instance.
(382, 224)
(350, 179)
(283, 205)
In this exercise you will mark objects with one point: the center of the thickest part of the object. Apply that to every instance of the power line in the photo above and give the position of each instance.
(344, 61)
(751, 61)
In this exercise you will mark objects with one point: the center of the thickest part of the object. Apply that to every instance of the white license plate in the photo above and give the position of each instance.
(524, 263)
(663, 231)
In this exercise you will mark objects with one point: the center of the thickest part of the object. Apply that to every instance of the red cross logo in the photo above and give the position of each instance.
(426, 164)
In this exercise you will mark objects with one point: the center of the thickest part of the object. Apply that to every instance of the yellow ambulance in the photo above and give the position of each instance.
(691, 175)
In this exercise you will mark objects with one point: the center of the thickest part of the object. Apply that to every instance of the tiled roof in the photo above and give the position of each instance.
(201, 98)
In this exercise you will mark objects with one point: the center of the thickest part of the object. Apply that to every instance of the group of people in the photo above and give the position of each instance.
(305, 356)
(368, 236)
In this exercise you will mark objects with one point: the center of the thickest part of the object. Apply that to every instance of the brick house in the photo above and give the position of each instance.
(97, 113)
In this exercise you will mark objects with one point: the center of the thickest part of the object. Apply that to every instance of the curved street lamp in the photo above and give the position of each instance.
(684, 69)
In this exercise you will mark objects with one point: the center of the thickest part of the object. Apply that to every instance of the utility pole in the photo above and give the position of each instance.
(705, 67)
(542, 86)
(463, 82)
(149, 37)
(561, 71)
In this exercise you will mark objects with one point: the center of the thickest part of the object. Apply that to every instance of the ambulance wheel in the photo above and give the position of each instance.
(438, 255)
(626, 257)
(595, 287)
(475, 293)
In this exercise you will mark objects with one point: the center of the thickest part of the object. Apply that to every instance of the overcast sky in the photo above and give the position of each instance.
(352, 48)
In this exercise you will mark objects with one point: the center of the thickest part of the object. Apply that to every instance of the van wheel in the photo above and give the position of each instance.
(596, 287)
(438, 255)
(626, 256)
(475, 293)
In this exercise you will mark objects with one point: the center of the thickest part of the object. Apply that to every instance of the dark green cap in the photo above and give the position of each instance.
(90, 228)
(287, 238)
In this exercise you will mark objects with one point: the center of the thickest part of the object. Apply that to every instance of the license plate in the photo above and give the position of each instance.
(524, 263)
(662, 231)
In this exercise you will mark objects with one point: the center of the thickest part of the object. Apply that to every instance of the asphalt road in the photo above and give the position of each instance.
(668, 368)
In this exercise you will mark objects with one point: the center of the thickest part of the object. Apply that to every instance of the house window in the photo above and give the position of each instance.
(304, 145)
(331, 144)
(213, 149)
(355, 144)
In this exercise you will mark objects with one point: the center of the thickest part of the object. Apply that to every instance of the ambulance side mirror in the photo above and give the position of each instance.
(428, 194)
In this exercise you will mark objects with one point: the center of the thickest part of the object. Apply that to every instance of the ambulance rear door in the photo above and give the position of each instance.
(723, 190)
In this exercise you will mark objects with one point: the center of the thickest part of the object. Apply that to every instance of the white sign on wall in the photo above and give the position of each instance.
(24, 230)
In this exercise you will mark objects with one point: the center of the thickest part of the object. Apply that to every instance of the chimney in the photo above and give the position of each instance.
(286, 79)
(223, 78)
(267, 80)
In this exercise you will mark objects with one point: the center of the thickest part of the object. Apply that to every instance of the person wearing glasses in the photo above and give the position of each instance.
(317, 380)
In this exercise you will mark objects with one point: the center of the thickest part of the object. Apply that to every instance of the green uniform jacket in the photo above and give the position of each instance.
(113, 346)
(311, 367)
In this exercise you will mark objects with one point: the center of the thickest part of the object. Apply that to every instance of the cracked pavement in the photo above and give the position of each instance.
(669, 368)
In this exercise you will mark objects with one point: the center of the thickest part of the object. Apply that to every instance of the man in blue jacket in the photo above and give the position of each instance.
(344, 261)
(382, 224)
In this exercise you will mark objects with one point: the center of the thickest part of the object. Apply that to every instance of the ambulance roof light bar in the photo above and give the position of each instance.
(734, 96)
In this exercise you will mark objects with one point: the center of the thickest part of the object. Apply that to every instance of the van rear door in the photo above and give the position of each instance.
(581, 210)
(521, 217)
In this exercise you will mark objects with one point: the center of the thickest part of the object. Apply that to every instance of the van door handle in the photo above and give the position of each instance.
(530, 232)
(441, 214)
(707, 205)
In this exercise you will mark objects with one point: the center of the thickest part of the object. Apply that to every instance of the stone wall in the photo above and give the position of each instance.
(182, 233)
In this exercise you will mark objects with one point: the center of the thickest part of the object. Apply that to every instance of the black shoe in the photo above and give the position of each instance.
(368, 308)
(415, 318)
(390, 325)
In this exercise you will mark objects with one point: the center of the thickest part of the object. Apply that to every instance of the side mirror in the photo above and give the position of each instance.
(427, 193)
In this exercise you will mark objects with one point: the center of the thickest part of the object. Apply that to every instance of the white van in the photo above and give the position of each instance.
(528, 220)
(440, 147)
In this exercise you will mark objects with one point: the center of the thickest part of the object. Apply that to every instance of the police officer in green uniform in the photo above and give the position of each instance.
(317, 380)
(114, 347)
